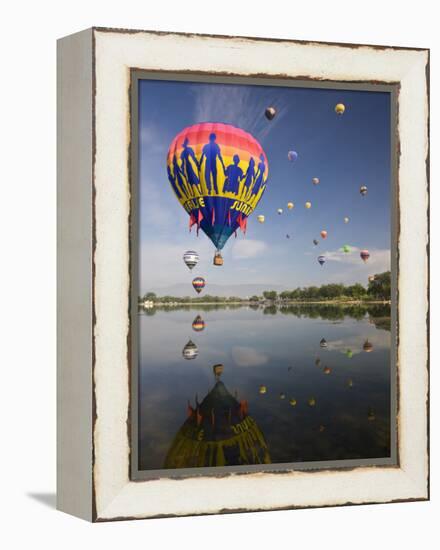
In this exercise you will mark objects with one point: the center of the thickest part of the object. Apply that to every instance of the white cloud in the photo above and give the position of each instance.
(248, 357)
(244, 249)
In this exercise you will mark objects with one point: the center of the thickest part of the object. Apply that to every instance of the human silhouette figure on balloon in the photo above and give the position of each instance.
(259, 177)
(186, 156)
(211, 152)
(234, 175)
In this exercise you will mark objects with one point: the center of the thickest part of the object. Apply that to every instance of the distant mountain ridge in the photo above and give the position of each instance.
(240, 290)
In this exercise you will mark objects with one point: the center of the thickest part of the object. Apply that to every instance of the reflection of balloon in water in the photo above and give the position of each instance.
(262, 390)
(260, 218)
(218, 173)
(191, 258)
(363, 190)
(364, 254)
(322, 428)
(270, 113)
(350, 383)
(198, 284)
(371, 414)
(312, 401)
(280, 211)
(315, 181)
(346, 219)
(349, 353)
(327, 370)
(290, 205)
(339, 108)
(198, 324)
(292, 402)
(346, 249)
(282, 395)
(315, 242)
(324, 234)
(308, 205)
(321, 260)
(318, 362)
(217, 370)
(368, 346)
(218, 432)
(190, 351)
(323, 343)
(292, 156)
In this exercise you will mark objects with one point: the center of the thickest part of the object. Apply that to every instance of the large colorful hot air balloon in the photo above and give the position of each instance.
(198, 284)
(218, 173)
(364, 254)
(191, 258)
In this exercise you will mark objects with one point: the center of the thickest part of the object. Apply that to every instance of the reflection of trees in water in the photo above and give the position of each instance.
(378, 314)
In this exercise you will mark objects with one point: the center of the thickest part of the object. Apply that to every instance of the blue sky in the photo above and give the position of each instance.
(344, 152)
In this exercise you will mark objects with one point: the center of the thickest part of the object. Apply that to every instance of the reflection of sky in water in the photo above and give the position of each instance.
(258, 349)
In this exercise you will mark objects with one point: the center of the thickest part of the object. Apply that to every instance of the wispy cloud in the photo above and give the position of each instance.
(238, 105)
(248, 357)
(244, 249)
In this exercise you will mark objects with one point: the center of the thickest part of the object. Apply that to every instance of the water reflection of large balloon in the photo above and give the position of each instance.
(368, 346)
(218, 432)
(198, 284)
(190, 258)
(323, 343)
(218, 173)
(190, 351)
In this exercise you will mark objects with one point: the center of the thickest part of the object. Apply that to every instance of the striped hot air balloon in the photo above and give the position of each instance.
(191, 258)
(198, 324)
(218, 173)
(198, 284)
(364, 254)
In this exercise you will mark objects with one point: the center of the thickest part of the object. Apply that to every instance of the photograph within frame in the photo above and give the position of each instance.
(327, 371)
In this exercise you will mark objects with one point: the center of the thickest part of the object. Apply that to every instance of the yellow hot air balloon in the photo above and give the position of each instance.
(340, 109)
(290, 205)
(308, 205)
(260, 218)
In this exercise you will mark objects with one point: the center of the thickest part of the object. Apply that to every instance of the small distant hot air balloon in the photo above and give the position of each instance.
(290, 205)
(318, 362)
(364, 254)
(282, 395)
(312, 401)
(363, 190)
(321, 260)
(327, 370)
(368, 346)
(324, 234)
(315, 242)
(270, 113)
(339, 108)
(292, 156)
(315, 181)
(190, 351)
(198, 284)
(349, 353)
(323, 343)
(260, 218)
(191, 258)
(346, 249)
(198, 324)
(280, 211)
(262, 389)
(308, 205)
(346, 219)
(287, 236)
(292, 401)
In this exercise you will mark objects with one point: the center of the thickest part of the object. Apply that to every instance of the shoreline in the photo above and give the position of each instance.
(280, 304)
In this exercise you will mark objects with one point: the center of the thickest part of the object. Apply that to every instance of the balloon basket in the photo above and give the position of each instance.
(218, 259)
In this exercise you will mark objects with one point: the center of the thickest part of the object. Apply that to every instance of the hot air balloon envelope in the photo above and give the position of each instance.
(346, 249)
(198, 324)
(323, 343)
(324, 234)
(346, 219)
(315, 242)
(363, 190)
(280, 211)
(339, 109)
(321, 260)
(218, 173)
(308, 205)
(260, 218)
(198, 284)
(270, 113)
(191, 258)
(290, 205)
(315, 181)
(292, 156)
(364, 254)
(190, 351)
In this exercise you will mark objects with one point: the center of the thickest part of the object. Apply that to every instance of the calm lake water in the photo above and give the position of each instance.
(307, 399)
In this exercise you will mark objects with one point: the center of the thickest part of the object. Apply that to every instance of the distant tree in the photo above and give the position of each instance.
(355, 291)
(254, 299)
(149, 296)
(270, 295)
(380, 287)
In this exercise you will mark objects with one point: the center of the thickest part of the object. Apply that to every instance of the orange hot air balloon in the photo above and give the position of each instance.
(324, 234)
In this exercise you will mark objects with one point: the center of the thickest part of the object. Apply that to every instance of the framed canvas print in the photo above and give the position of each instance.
(242, 275)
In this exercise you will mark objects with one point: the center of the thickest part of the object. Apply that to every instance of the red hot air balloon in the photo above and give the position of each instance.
(324, 234)
(364, 255)
(198, 284)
